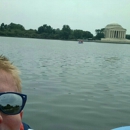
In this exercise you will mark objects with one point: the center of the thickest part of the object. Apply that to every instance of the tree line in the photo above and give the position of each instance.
(47, 32)
(44, 32)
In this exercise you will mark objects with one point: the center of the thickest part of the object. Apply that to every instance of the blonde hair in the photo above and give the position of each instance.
(7, 66)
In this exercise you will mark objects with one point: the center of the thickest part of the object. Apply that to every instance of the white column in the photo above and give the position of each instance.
(116, 34)
(109, 34)
(106, 33)
(119, 34)
(112, 34)
(124, 34)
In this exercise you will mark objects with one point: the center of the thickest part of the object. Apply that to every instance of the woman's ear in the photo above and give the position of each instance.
(21, 114)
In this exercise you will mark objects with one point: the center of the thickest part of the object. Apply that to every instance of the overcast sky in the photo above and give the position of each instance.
(86, 15)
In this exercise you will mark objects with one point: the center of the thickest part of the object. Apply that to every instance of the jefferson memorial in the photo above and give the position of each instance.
(115, 33)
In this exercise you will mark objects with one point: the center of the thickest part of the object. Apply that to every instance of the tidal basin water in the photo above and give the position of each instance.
(72, 86)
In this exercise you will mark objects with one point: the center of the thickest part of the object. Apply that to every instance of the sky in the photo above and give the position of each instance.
(86, 15)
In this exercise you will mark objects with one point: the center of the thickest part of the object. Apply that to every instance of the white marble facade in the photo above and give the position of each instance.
(114, 31)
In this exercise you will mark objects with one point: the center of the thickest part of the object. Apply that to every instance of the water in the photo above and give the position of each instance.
(72, 86)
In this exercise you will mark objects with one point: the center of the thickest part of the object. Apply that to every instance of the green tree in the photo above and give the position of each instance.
(2, 27)
(127, 36)
(78, 34)
(65, 32)
(56, 33)
(45, 29)
(99, 33)
(87, 34)
(16, 26)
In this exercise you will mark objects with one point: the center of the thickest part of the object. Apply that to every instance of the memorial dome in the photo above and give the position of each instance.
(114, 25)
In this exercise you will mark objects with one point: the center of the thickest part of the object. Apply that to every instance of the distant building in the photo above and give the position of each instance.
(115, 33)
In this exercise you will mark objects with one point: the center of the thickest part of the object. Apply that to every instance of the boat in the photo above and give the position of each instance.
(80, 41)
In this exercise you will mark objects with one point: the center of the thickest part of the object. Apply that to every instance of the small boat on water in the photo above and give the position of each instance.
(80, 41)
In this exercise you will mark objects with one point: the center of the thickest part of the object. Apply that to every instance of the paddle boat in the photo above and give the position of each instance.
(80, 41)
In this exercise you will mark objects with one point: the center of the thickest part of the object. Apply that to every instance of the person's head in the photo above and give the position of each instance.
(11, 99)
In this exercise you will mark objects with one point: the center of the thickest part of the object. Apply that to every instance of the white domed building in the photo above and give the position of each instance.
(115, 33)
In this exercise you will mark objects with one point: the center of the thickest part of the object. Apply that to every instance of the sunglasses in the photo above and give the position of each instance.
(12, 103)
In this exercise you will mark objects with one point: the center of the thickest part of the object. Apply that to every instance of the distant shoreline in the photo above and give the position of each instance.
(96, 41)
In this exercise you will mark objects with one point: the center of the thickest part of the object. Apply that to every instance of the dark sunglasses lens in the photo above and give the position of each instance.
(10, 103)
